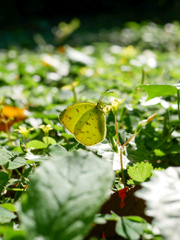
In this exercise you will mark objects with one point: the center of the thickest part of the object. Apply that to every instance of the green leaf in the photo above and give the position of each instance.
(64, 195)
(16, 163)
(5, 215)
(159, 90)
(137, 152)
(49, 140)
(11, 234)
(9, 207)
(5, 156)
(4, 178)
(140, 172)
(130, 228)
(35, 144)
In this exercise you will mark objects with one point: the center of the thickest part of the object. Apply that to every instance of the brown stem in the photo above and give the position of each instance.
(122, 170)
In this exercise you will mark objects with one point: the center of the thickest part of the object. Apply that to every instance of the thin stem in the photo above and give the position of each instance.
(129, 140)
(34, 165)
(143, 76)
(21, 175)
(15, 189)
(119, 144)
(8, 133)
(4, 169)
(74, 92)
(122, 170)
(118, 177)
(178, 103)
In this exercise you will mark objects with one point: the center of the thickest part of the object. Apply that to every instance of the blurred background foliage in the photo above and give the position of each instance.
(21, 20)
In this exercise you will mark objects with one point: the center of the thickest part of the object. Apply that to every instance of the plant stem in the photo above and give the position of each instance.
(21, 175)
(118, 177)
(129, 140)
(178, 103)
(74, 92)
(119, 144)
(15, 189)
(34, 165)
(122, 170)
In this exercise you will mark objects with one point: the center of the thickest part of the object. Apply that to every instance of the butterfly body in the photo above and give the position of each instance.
(86, 121)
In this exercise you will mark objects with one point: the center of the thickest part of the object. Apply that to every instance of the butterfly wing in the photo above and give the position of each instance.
(91, 127)
(71, 115)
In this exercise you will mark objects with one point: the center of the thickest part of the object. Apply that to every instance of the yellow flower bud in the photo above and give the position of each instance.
(115, 105)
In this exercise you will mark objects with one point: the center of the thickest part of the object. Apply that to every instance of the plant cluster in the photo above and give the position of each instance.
(52, 186)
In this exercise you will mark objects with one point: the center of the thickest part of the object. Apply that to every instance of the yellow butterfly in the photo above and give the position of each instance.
(86, 121)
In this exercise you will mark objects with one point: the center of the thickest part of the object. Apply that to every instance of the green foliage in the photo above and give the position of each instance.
(5, 215)
(59, 185)
(159, 90)
(140, 172)
(4, 178)
(63, 196)
(130, 227)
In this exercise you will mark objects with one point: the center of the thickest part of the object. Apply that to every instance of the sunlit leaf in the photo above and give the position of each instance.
(35, 144)
(140, 172)
(159, 90)
(5, 215)
(63, 196)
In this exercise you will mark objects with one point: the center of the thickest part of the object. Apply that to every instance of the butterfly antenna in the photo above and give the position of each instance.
(105, 94)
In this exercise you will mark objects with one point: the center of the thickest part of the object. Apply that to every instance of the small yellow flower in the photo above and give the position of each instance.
(24, 131)
(115, 105)
(46, 129)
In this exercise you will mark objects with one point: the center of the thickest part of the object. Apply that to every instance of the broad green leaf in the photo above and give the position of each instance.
(49, 140)
(11, 234)
(140, 172)
(159, 90)
(35, 144)
(5, 215)
(64, 195)
(130, 228)
(9, 206)
(5, 156)
(4, 178)
(16, 163)
(53, 152)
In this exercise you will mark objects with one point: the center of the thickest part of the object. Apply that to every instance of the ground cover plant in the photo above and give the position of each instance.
(124, 187)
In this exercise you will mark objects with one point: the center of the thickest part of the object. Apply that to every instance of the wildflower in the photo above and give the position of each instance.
(115, 105)
(46, 129)
(24, 131)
